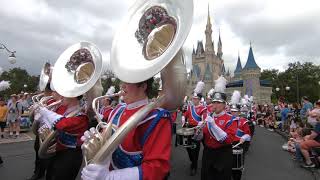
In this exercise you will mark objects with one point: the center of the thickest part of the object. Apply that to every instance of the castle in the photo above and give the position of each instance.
(208, 66)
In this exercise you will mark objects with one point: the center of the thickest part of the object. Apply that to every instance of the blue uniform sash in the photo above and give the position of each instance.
(194, 114)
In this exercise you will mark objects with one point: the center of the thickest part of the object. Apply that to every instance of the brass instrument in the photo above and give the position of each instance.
(149, 42)
(76, 72)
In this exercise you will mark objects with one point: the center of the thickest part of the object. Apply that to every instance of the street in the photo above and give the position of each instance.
(265, 161)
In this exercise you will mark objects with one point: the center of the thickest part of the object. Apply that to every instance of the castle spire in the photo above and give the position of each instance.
(219, 53)
(251, 62)
(209, 43)
(193, 51)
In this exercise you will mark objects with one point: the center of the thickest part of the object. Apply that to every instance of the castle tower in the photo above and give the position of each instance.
(219, 53)
(250, 74)
(237, 71)
(209, 43)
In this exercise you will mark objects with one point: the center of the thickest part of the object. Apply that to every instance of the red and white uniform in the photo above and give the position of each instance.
(70, 129)
(242, 130)
(105, 111)
(174, 116)
(146, 149)
(195, 114)
(226, 134)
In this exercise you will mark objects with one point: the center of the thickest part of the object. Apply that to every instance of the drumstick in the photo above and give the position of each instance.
(236, 145)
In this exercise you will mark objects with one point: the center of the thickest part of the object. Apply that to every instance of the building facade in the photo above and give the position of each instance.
(247, 81)
(208, 65)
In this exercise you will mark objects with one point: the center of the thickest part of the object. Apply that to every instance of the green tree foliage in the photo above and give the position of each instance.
(303, 80)
(18, 78)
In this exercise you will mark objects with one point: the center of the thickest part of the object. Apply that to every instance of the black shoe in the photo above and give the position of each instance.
(1, 160)
(2, 136)
(193, 172)
(308, 165)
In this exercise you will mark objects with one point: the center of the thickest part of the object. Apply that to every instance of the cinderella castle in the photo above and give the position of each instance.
(207, 65)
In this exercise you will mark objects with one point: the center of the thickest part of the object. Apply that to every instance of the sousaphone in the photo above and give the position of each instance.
(76, 72)
(149, 42)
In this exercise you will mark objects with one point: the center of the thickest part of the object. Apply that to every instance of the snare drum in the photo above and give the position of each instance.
(238, 159)
(184, 137)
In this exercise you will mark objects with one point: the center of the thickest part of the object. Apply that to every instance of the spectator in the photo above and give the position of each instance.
(29, 99)
(24, 103)
(313, 140)
(3, 113)
(312, 115)
(284, 117)
(14, 115)
(307, 106)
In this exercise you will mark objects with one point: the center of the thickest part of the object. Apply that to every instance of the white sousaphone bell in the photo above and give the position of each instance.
(76, 72)
(148, 42)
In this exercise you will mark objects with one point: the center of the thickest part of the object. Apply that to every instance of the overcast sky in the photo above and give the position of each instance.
(281, 31)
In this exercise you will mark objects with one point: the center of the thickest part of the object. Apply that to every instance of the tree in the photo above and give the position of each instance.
(18, 78)
(303, 80)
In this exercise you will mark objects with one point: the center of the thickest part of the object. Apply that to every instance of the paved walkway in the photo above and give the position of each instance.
(265, 161)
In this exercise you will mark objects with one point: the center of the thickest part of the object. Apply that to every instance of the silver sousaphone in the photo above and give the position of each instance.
(148, 42)
(76, 72)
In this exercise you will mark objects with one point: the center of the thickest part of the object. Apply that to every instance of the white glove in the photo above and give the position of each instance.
(49, 117)
(201, 124)
(101, 172)
(37, 116)
(217, 132)
(244, 138)
(95, 172)
(183, 120)
(210, 120)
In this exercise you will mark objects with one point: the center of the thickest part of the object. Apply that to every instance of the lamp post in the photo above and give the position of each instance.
(277, 92)
(12, 58)
(287, 90)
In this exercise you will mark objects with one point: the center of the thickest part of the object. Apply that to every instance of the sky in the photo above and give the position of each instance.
(281, 31)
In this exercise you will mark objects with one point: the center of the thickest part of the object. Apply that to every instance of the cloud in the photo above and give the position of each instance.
(280, 31)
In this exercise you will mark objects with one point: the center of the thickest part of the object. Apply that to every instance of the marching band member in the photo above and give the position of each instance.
(195, 113)
(242, 134)
(145, 151)
(40, 164)
(217, 135)
(70, 123)
(106, 104)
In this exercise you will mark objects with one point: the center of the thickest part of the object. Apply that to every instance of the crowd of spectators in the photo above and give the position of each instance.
(300, 123)
(11, 111)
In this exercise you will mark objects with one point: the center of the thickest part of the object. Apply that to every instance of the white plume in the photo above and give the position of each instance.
(220, 84)
(199, 87)
(244, 101)
(246, 97)
(4, 85)
(210, 93)
(235, 98)
(251, 98)
(111, 90)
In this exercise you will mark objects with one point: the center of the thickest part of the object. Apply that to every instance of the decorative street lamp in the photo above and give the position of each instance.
(277, 89)
(12, 58)
(25, 86)
(288, 88)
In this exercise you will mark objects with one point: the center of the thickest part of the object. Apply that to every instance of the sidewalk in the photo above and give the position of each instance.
(24, 136)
